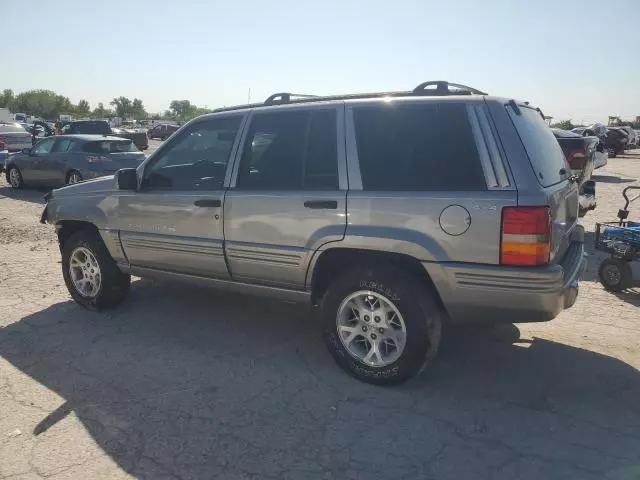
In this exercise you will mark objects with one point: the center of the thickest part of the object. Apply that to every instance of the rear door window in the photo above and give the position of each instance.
(543, 150)
(423, 147)
(295, 150)
(62, 145)
(96, 147)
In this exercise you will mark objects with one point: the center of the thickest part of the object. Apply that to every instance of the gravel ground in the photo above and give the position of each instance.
(188, 383)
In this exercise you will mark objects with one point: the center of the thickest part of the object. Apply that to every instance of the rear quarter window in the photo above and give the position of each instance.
(419, 147)
(122, 147)
(96, 147)
(542, 147)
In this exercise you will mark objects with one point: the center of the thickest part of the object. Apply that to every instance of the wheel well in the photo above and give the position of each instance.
(335, 261)
(6, 171)
(66, 228)
(66, 178)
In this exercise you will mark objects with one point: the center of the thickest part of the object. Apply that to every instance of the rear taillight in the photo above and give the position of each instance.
(526, 236)
(577, 159)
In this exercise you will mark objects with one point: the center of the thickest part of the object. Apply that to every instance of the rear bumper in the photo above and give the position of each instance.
(496, 294)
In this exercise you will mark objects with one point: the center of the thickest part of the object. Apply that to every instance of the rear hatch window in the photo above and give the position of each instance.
(122, 147)
(92, 128)
(543, 150)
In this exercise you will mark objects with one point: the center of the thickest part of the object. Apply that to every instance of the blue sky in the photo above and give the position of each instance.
(558, 55)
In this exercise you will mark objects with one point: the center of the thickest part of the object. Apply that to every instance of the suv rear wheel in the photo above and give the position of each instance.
(381, 326)
(91, 275)
(73, 177)
(15, 177)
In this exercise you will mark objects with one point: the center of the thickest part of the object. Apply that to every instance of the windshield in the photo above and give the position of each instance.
(543, 150)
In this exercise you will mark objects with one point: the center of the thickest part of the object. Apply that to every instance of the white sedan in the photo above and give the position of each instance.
(15, 137)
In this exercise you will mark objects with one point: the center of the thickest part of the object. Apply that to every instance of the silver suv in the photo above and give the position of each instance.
(395, 213)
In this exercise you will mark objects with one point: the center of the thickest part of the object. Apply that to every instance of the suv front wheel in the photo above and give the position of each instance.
(91, 275)
(381, 325)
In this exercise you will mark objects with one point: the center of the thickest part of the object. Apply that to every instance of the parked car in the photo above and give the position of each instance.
(394, 213)
(68, 159)
(581, 153)
(4, 154)
(631, 134)
(616, 141)
(162, 131)
(599, 131)
(101, 127)
(14, 137)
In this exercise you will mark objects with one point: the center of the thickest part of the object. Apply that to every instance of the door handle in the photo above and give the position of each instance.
(205, 202)
(321, 204)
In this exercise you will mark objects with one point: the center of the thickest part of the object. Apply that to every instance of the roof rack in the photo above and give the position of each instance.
(285, 97)
(443, 88)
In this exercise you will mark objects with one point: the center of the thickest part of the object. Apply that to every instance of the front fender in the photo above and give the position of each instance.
(56, 212)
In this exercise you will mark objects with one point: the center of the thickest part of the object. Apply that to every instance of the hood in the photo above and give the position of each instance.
(90, 187)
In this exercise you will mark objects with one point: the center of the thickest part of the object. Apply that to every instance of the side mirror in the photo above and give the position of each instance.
(26, 151)
(127, 179)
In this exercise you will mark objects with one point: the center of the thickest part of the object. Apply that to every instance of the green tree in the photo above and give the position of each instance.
(99, 111)
(122, 105)
(83, 108)
(42, 103)
(193, 113)
(137, 109)
(564, 125)
(7, 98)
(181, 108)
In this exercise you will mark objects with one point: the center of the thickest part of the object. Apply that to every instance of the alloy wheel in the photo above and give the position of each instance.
(371, 328)
(14, 177)
(85, 272)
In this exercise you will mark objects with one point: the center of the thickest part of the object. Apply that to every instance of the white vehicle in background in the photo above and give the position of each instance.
(14, 137)
(6, 116)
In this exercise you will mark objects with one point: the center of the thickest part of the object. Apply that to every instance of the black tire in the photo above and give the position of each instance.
(115, 284)
(20, 181)
(73, 172)
(415, 302)
(163, 138)
(615, 274)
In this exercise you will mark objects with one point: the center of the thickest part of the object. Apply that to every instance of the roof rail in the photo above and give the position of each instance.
(442, 88)
(285, 97)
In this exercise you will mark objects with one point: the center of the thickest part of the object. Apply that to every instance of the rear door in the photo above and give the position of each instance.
(289, 197)
(552, 185)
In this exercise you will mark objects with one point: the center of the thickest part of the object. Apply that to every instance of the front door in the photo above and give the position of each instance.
(289, 197)
(38, 157)
(174, 222)
(53, 167)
